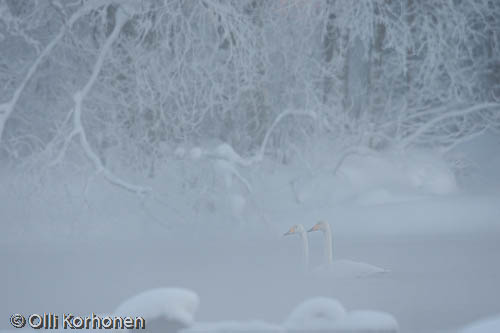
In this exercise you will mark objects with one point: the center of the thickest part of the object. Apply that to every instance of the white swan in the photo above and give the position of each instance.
(164, 309)
(301, 231)
(341, 268)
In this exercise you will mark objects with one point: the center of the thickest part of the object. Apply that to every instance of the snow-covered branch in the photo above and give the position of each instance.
(443, 116)
(6, 108)
(78, 98)
(372, 73)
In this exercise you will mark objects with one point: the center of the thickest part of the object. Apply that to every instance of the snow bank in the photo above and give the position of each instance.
(234, 327)
(418, 170)
(327, 314)
(172, 304)
(489, 325)
(319, 313)
(367, 321)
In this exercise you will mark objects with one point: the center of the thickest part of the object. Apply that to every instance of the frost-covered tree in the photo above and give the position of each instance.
(125, 82)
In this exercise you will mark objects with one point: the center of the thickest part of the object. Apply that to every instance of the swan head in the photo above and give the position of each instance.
(295, 229)
(320, 226)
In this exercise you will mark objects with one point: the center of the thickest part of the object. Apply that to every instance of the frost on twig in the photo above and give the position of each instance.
(7, 108)
(227, 159)
(78, 128)
(226, 152)
(465, 131)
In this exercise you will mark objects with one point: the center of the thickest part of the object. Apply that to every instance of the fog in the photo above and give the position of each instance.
(153, 155)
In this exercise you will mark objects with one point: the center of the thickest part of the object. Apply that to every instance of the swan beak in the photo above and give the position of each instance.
(289, 232)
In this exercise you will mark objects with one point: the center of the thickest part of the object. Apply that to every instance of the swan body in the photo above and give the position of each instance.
(163, 309)
(344, 268)
(341, 268)
(332, 268)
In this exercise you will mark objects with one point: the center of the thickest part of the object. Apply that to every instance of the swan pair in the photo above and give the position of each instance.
(337, 268)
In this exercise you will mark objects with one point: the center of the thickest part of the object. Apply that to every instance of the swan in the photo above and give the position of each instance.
(323, 314)
(342, 268)
(301, 231)
(164, 309)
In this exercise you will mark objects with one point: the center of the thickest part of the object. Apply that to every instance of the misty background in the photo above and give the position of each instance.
(172, 143)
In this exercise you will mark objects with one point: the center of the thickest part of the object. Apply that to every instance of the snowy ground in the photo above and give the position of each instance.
(441, 244)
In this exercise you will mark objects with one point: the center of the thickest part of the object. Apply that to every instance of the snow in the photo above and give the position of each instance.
(234, 327)
(146, 144)
(180, 152)
(173, 304)
(319, 313)
(326, 314)
(422, 171)
(439, 247)
(368, 321)
(488, 325)
(196, 153)
(225, 151)
(238, 203)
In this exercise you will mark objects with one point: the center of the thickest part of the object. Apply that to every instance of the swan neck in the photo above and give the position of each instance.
(305, 249)
(328, 245)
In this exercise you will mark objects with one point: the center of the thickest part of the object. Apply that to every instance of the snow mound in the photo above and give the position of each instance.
(380, 196)
(488, 325)
(368, 321)
(343, 269)
(171, 304)
(196, 153)
(425, 171)
(319, 313)
(180, 152)
(227, 152)
(234, 326)
(429, 171)
(328, 315)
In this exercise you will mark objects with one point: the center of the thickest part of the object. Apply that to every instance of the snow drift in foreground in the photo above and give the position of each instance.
(327, 314)
(318, 313)
(234, 327)
(173, 309)
(489, 325)
(162, 307)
